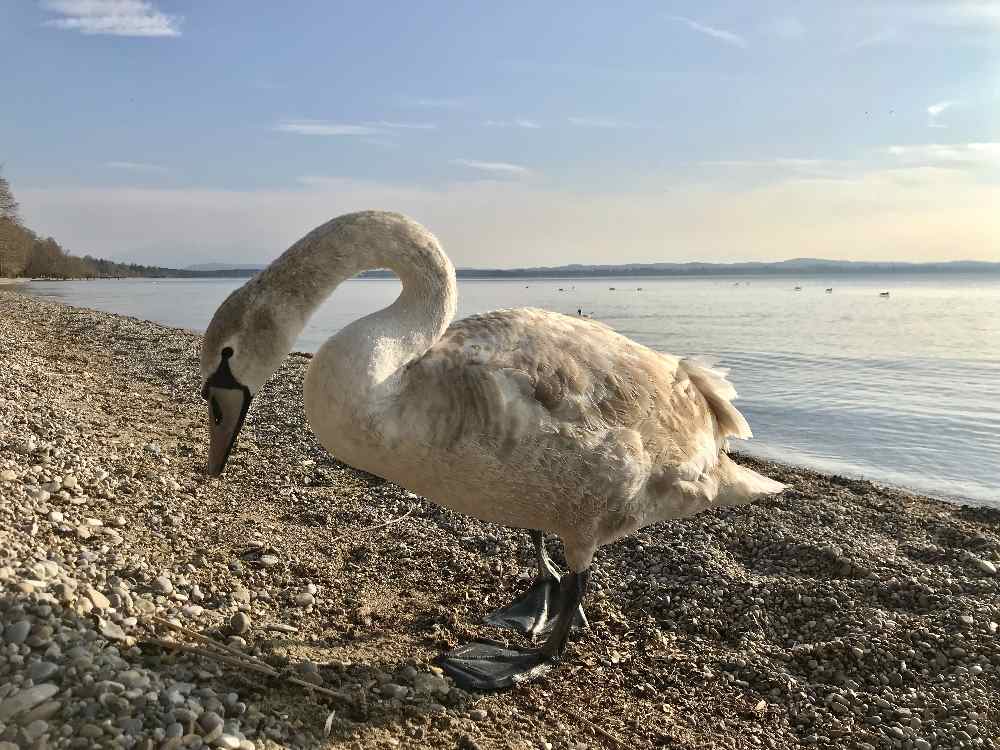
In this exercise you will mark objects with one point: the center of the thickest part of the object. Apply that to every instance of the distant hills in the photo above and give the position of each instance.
(795, 266)
(253, 267)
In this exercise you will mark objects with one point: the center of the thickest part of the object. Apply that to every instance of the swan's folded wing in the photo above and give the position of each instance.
(529, 375)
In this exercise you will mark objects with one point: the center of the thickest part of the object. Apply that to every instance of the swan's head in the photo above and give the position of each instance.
(242, 347)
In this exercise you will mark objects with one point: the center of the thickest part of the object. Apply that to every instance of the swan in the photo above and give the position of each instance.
(525, 417)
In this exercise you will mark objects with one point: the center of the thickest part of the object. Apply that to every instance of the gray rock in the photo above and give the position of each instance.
(392, 690)
(210, 721)
(40, 671)
(98, 599)
(985, 566)
(111, 630)
(35, 729)
(425, 683)
(304, 599)
(43, 712)
(163, 585)
(17, 632)
(239, 623)
(25, 700)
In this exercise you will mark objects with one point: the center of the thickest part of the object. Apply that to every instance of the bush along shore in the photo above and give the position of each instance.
(841, 614)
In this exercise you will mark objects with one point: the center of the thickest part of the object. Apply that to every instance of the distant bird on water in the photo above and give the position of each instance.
(524, 417)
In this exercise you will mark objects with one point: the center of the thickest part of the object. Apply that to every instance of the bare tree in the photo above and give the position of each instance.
(8, 203)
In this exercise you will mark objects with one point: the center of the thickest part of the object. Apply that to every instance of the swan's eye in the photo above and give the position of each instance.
(216, 410)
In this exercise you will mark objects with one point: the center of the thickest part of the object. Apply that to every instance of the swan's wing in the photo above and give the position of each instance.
(501, 379)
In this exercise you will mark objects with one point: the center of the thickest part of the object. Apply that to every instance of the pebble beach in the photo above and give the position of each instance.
(296, 602)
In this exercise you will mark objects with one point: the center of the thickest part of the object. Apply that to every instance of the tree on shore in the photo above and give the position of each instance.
(24, 253)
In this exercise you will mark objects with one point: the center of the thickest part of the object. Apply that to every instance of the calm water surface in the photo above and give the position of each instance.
(904, 390)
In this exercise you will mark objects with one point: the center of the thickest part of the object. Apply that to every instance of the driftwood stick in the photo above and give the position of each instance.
(372, 528)
(237, 659)
(600, 730)
(235, 653)
(232, 661)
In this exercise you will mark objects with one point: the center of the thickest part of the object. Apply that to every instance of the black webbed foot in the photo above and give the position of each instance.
(489, 666)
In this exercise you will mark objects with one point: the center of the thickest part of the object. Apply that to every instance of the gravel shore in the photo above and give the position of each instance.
(841, 614)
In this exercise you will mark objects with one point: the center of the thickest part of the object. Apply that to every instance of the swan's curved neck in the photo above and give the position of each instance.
(376, 346)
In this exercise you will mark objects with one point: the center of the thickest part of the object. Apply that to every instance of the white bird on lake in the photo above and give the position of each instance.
(525, 417)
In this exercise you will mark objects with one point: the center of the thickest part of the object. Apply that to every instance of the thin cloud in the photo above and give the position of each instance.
(935, 111)
(956, 155)
(404, 125)
(323, 128)
(525, 124)
(113, 17)
(727, 37)
(494, 167)
(971, 14)
(136, 166)
(816, 168)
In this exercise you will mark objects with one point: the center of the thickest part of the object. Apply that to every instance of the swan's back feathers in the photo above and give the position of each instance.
(553, 406)
(719, 393)
(506, 376)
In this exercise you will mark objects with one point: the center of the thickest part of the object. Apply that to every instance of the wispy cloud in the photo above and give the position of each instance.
(608, 123)
(389, 125)
(136, 166)
(972, 14)
(520, 123)
(885, 36)
(824, 168)
(113, 17)
(935, 111)
(494, 167)
(955, 155)
(727, 37)
(322, 127)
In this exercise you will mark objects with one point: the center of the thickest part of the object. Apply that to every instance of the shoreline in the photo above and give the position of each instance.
(841, 614)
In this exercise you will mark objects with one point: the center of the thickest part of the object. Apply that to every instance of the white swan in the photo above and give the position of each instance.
(525, 417)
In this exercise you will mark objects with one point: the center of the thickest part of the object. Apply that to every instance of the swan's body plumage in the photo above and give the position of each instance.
(539, 420)
(525, 417)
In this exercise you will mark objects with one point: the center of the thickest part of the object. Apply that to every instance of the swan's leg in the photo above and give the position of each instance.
(534, 612)
(488, 666)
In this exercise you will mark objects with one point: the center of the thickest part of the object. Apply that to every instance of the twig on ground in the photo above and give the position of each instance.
(372, 528)
(234, 658)
(236, 653)
(600, 730)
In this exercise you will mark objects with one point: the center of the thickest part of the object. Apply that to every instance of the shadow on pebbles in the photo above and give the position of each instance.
(841, 614)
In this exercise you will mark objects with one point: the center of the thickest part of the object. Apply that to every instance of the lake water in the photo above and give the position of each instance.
(904, 390)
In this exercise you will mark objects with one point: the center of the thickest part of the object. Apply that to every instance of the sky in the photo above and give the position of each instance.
(521, 133)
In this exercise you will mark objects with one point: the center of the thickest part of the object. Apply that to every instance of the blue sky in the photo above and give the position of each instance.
(521, 133)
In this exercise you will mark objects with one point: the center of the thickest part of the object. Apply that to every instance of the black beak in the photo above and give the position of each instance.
(227, 408)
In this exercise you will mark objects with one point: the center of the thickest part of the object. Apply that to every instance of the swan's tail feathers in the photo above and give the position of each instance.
(739, 485)
(719, 393)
